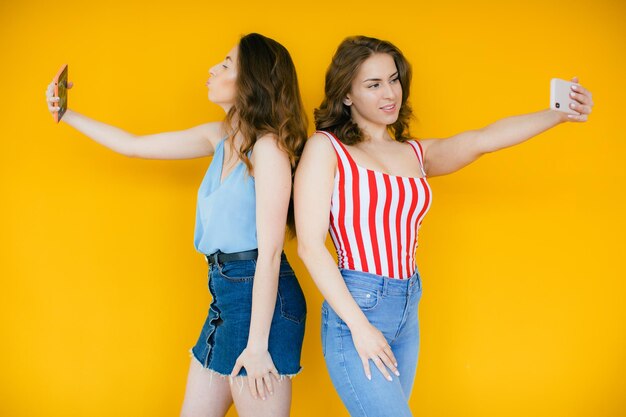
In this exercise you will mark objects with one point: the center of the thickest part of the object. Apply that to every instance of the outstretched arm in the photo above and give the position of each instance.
(444, 156)
(185, 144)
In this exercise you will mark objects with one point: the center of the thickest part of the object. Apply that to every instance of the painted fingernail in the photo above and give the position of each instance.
(572, 95)
(397, 373)
(369, 377)
(572, 105)
(389, 378)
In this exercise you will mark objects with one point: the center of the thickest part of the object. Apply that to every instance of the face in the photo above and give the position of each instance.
(221, 84)
(376, 93)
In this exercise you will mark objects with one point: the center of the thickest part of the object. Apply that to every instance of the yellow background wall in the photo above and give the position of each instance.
(522, 254)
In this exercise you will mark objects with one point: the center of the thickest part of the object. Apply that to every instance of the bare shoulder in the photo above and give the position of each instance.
(425, 143)
(266, 143)
(212, 131)
(318, 155)
(319, 145)
(266, 147)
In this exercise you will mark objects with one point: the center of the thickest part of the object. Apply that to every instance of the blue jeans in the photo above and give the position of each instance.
(391, 306)
(225, 332)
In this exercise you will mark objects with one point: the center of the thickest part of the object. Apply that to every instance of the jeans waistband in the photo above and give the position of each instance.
(382, 283)
(220, 257)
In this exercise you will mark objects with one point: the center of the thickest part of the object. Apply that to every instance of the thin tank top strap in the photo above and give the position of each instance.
(219, 148)
(340, 150)
(419, 152)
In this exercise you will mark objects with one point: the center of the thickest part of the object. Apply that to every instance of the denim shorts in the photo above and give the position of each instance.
(391, 306)
(225, 332)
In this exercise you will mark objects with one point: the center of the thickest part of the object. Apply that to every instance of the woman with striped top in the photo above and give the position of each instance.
(362, 167)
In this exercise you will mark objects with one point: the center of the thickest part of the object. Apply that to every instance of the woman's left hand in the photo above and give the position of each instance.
(260, 368)
(583, 102)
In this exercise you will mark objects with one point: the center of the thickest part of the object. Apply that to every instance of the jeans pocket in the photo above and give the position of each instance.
(291, 299)
(237, 270)
(366, 299)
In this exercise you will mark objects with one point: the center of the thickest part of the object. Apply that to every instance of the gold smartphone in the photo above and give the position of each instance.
(60, 91)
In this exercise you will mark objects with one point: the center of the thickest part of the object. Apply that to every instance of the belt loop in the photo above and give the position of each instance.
(215, 259)
(415, 284)
(385, 285)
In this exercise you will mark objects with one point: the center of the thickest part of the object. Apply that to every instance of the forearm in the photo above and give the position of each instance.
(514, 130)
(323, 270)
(264, 292)
(112, 137)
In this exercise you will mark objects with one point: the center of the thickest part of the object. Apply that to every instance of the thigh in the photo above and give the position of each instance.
(207, 394)
(362, 397)
(277, 404)
(406, 345)
(406, 350)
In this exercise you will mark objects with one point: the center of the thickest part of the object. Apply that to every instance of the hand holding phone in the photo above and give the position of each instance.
(560, 98)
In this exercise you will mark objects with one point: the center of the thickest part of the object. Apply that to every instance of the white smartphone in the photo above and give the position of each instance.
(559, 95)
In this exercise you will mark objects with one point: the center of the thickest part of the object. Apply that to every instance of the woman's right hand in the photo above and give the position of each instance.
(51, 99)
(370, 343)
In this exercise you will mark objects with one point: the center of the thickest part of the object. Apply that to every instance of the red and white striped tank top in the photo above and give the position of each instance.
(374, 216)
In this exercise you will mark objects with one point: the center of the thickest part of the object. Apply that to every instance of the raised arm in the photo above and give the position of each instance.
(313, 190)
(444, 156)
(272, 179)
(196, 142)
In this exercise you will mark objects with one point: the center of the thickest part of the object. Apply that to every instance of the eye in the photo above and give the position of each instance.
(224, 66)
(376, 85)
(394, 80)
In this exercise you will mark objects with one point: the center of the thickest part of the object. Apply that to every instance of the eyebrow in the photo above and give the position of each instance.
(229, 59)
(379, 79)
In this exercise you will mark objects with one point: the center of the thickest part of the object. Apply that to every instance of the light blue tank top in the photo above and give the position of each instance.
(226, 212)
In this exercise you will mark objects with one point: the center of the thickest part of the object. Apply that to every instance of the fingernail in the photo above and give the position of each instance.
(397, 373)
(369, 377)
(574, 87)
(572, 105)
(389, 378)
(572, 95)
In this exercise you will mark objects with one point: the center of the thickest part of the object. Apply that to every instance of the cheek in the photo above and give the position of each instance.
(229, 87)
(398, 89)
(223, 90)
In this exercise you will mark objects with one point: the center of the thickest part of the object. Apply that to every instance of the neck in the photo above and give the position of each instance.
(375, 133)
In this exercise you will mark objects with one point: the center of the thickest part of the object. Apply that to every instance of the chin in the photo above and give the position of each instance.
(389, 120)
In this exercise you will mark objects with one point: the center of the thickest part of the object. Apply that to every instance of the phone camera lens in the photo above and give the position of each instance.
(557, 105)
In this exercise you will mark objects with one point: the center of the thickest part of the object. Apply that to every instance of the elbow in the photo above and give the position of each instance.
(483, 143)
(305, 251)
(129, 148)
(270, 256)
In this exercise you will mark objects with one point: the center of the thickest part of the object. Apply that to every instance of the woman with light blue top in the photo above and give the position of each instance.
(255, 324)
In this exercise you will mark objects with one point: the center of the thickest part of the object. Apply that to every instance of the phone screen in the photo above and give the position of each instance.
(61, 92)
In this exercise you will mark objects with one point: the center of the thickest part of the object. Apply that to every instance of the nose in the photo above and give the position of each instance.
(389, 92)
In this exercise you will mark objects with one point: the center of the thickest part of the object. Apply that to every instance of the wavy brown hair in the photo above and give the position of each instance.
(267, 102)
(333, 115)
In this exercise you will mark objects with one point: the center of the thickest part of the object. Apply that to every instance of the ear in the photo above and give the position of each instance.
(347, 101)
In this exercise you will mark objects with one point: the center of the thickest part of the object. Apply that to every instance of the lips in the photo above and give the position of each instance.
(388, 108)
